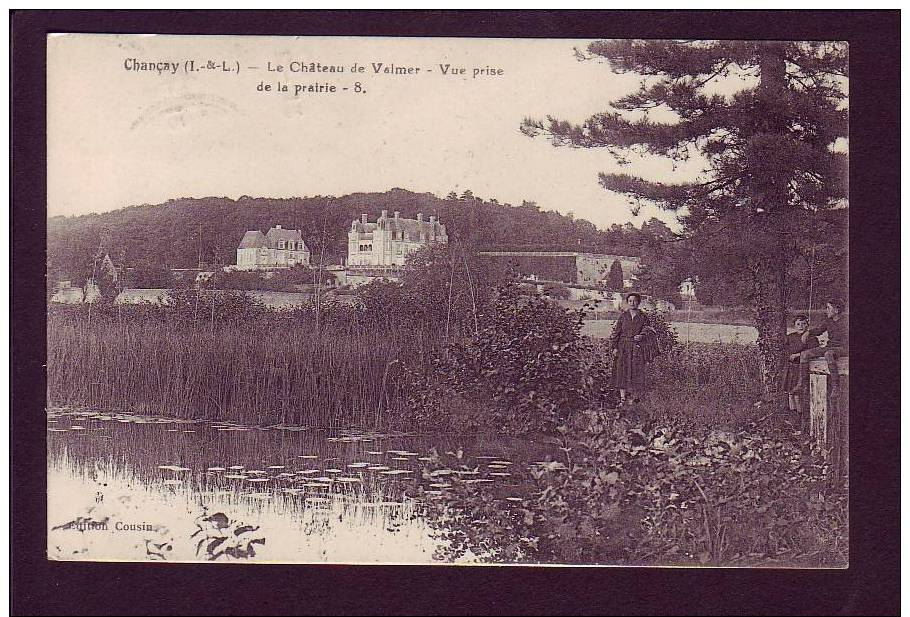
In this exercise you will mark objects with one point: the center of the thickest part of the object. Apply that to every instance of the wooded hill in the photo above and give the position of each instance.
(182, 233)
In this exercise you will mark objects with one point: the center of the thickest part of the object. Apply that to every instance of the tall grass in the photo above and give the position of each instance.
(239, 362)
(264, 372)
(706, 384)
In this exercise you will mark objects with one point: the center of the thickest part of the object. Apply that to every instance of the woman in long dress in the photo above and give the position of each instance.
(631, 349)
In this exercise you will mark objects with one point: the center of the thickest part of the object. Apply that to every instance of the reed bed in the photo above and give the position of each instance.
(258, 373)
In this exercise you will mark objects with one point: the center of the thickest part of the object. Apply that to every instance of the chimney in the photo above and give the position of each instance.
(397, 213)
(420, 217)
(432, 219)
(277, 226)
(363, 218)
(385, 214)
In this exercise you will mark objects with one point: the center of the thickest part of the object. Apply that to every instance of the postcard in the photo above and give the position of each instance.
(447, 301)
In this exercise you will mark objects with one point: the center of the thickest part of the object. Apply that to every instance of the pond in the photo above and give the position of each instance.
(126, 488)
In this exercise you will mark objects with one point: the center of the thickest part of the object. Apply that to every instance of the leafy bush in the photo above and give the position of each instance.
(666, 334)
(633, 493)
(526, 369)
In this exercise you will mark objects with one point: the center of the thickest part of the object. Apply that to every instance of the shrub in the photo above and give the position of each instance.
(527, 367)
(633, 493)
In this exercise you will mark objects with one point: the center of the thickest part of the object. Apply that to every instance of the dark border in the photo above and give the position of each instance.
(869, 586)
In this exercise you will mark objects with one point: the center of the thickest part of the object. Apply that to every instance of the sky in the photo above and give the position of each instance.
(119, 137)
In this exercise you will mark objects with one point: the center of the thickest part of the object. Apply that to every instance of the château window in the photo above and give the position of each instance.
(281, 244)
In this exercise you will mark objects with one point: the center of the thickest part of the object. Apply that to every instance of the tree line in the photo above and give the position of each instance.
(187, 233)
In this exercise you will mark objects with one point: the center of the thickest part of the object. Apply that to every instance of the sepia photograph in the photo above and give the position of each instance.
(487, 301)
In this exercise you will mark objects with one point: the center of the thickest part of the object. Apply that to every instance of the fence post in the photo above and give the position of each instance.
(829, 414)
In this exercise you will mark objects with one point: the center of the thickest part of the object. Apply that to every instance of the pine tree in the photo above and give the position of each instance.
(771, 165)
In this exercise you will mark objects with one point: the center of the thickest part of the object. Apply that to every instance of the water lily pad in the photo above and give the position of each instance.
(173, 482)
(395, 472)
(348, 479)
(173, 468)
(233, 476)
(378, 467)
(358, 464)
(275, 467)
(258, 479)
(216, 469)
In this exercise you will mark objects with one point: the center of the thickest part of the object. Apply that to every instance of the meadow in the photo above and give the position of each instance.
(700, 471)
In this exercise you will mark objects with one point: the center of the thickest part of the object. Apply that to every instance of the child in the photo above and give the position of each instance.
(795, 346)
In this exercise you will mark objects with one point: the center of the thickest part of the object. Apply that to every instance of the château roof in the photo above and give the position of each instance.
(277, 233)
(414, 229)
(256, 239)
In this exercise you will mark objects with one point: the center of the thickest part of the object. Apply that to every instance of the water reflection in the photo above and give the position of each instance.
(133, 488)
